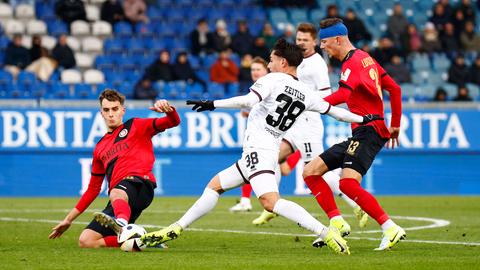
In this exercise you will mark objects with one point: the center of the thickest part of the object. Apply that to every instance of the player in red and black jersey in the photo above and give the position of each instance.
(124, 156)
(361, 83)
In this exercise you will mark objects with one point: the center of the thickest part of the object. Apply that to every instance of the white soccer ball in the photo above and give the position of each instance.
(129, 238)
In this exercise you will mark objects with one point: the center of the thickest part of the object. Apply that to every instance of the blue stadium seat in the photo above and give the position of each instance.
(83, 91)
(420, 62)
(115, 78)
(441, 62)
(122, 29)
(40, 90)
(298, 15)
(408, 91)
(316, 15)
(174, 15)
(194, 91)
(26, 78)
(127, 64)
(451, 89)
(105, 62)
(145, 29)
(133, 77)
(56, 28)
(278, 15)
(425, 92)
(45, 11)
(216, 90)
(134, 46)
(474, 90)
(209, 60)
(194, 61)
(4, 41)
(154, 14)
(126, 88)
(233, 89)
(178, 45)
(60, 90)
(113, 46)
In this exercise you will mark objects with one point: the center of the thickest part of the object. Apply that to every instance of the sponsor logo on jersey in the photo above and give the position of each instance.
(257, 84)
(123, 133)
(344, 75)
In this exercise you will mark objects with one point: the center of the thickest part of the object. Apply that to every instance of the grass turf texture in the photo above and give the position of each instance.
(25, 244)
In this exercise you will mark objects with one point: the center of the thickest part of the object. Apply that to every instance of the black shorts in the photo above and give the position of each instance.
(140, 195)
(358, 152)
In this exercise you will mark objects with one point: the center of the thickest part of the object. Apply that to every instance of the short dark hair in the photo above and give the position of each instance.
(291, 52)
(308, 28)
(111, 95)
(329, 22)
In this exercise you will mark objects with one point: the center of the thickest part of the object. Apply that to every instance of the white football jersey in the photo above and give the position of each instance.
(314, 72)
(283, 98)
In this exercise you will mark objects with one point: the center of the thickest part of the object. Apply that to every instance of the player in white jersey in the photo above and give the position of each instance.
(276, 99)
(307, 134)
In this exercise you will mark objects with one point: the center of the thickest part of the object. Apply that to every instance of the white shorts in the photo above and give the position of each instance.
(254, 163)
(307, 136)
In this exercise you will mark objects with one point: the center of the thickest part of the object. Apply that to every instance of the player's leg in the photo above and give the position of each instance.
(96, 235)
(359, 156)
(245, 204)
(286, 150)
(225, 180)
(264, 186)
(333, 180)
(92, 239)
(120, 197)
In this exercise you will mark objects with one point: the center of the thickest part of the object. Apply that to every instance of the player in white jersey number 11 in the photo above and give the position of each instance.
(276, 99)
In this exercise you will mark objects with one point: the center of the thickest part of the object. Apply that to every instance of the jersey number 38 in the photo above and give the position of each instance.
(288, 111)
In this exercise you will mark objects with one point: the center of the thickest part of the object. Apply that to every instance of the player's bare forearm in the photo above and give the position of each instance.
(395, 99)
(63, 226)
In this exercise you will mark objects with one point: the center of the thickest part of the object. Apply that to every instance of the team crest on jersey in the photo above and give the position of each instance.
(123, 133)
(344, 75)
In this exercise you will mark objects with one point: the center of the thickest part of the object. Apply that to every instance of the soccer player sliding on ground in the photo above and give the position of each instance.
(276, 99)
(361, 83)
(125, 156)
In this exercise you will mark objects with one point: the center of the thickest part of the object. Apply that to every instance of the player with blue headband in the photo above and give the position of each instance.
(361, 86)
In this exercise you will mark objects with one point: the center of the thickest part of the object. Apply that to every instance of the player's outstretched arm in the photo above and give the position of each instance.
(346, 116)
(61, 227)
(246, 101)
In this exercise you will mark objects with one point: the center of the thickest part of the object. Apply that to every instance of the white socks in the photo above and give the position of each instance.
(202, 206)
(387, 224)
(333, 180)
(299, 215)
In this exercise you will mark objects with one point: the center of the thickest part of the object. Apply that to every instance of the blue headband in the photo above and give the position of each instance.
(338, 29)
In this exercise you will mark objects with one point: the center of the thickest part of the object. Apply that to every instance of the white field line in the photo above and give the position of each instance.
(435, 223)
(9, 219)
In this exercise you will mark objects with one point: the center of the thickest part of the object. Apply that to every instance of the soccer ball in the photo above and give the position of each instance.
(129, 238)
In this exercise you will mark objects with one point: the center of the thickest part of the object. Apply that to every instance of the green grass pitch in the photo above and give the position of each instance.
(444, 234)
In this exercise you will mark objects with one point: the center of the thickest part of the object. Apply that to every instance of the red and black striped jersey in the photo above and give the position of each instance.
(361, 84)
(125, 151)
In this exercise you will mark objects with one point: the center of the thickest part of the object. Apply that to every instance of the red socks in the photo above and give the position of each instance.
(111, 241)
(323, 194)
(351, 187)
(293, 159)
(121, 209)
(246, 191)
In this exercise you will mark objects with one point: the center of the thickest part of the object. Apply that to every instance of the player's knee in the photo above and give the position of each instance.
(268, 202)
(86, 242)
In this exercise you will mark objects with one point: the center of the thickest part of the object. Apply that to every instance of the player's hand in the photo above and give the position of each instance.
(201, 105)
(394, 132)
(371, 117)
(58, 230)
(162, 106)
